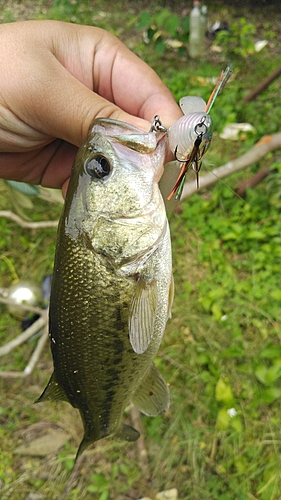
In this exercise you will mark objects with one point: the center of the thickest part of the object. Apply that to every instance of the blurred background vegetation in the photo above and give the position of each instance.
(221, 353)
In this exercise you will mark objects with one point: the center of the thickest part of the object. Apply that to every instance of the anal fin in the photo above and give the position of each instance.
(152, 396)
(127, 433)
(53, 391)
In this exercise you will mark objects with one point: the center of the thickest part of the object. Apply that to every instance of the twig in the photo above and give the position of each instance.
(30, 225)
(214, 449)
(251, 497)
(257, 90)
(267, 144)
(41, 322)
(24, 307)
(73, 476)
(136, 421)
(253, 181)
(37, 351)
(20, 339)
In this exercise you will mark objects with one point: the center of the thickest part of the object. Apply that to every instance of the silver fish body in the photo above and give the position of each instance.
(112, 285)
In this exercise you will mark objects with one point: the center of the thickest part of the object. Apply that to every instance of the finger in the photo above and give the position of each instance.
(49, 166)
(135, 87)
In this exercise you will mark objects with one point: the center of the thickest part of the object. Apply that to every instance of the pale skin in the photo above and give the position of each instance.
(56, 78)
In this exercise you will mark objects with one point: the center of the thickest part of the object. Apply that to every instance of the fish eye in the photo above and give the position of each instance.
(98, 167)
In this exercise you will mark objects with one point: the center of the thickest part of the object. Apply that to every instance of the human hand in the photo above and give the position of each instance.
(55, 79)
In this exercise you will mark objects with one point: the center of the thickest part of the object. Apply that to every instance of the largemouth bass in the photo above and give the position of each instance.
(112, 287)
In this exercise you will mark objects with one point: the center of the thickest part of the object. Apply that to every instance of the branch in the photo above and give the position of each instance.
(29, 225)
(136, 421)
(254, 180)
(267, 144)
(257, 90)
(25, 335)
(41, 322)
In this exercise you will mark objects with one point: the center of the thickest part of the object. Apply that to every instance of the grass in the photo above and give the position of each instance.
(221, 350)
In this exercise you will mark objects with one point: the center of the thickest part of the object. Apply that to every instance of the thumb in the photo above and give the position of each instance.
(50, 72)
(58, 105)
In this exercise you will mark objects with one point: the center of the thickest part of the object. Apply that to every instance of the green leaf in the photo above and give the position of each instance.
(100, 483)
(230, 236)
(273, 374)
(241, 464)
(160, 46)
(185, 24)
(271, 352)
(224, 392)
(171, 25)
(150, 33)
(104, 495)
(267, 376)
(276, 294)
(24, 188)
(260, 373)
(223, 419)
(270, 395)
(216, 312)
(233, 352)
(144, 21)
(202, 358)
(255, 235)
(236, 423)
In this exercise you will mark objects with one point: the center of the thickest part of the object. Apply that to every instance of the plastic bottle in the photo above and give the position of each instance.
(204, 21)
(196, 40)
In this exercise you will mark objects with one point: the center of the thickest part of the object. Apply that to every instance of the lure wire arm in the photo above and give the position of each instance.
(157, 125)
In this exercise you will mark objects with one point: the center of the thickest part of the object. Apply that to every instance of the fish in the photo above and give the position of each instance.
(112, 287)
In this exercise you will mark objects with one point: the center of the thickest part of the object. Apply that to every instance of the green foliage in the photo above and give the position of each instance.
(100, 485)
(164, 29)
(274, 184)
(239, 41)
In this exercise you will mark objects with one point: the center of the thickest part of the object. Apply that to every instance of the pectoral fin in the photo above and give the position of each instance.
(53, 391)
(152, 396)
(142, 315)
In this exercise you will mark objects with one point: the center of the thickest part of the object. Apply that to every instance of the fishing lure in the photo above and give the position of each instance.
(191, 135)
(201, 133)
